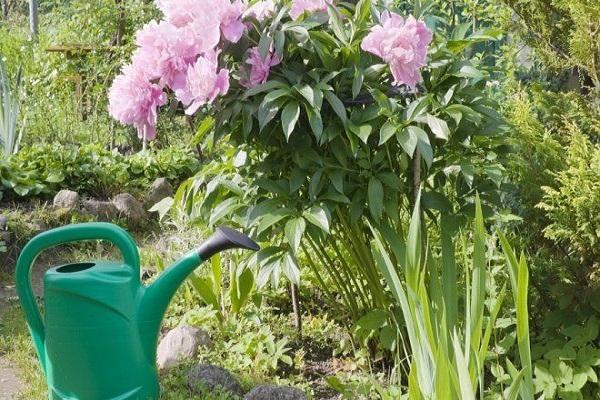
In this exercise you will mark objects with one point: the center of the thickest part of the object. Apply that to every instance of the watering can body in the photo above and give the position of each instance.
(97, 339)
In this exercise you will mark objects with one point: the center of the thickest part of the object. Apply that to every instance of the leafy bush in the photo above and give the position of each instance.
(328, 144)
(92, 169)
(573, 204)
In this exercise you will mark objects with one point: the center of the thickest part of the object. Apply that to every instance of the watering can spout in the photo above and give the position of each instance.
(155, 298)
(225, 239)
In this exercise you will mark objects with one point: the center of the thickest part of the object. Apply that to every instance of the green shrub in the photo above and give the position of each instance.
(563, 33)
(92, 170)
(573, 204)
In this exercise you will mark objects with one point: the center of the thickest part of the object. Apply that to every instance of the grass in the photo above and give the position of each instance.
(16, 346)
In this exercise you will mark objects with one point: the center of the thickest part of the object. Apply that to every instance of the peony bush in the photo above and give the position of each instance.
(331, 116)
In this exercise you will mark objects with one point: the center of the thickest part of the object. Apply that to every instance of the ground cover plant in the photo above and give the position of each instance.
(390, 157)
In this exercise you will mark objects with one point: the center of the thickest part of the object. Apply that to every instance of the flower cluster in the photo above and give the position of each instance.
(180, 55)
(402, 44)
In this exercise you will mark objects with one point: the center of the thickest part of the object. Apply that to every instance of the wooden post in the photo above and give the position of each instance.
(120, 23)
(4, 4)
(33, 18)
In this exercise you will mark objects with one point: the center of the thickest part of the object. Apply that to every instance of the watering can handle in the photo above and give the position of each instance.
(58, 236)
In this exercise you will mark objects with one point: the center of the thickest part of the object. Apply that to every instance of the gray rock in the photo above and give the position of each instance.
(3, 222)
(129, 207)
(159, 189)
(5, 237)
(273, 392)
(103, 210)
(179, 344)
(66, 199)
(211, 377)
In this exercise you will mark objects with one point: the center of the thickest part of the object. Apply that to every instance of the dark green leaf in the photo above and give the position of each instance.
(294, 230)
(337, 105)
(408, 140)
(387, 131)
(438, 126)
(375, 193)
(289, 118)
(359, 77)
(318, 217)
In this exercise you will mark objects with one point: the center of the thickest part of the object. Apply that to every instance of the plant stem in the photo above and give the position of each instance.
(294, 291)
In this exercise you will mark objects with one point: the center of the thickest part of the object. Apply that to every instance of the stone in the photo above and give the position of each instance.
(159, 189)
(274, 392)
(180, 344)
(103, 210)
(3, 222)
(212, 377)
(5, 237)
(129, 207)
(66, 199)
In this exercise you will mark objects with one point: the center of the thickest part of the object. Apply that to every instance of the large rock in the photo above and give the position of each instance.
(211, 377)
(103, 210)
(179, 344)
(66, 199)
(129, 207)
(159, 189)
(274, 392)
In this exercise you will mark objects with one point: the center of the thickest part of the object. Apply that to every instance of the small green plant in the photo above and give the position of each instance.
(9, 111)
(567, 369)
(211, 288)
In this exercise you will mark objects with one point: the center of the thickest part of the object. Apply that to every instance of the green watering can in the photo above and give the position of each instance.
(97, 339)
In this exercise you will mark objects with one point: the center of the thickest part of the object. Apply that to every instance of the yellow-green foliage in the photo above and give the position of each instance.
(573, 206)
(564, 32)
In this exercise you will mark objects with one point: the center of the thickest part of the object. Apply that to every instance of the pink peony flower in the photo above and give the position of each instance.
(165, 52)
(260, 68)
(260, 10)
(231, 14)
(204, 83)
(133, 100)
(182, 12)
(299, 7)
(402, 44)
(205, 17)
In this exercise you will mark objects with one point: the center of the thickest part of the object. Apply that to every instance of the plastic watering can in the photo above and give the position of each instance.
(97, 339)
